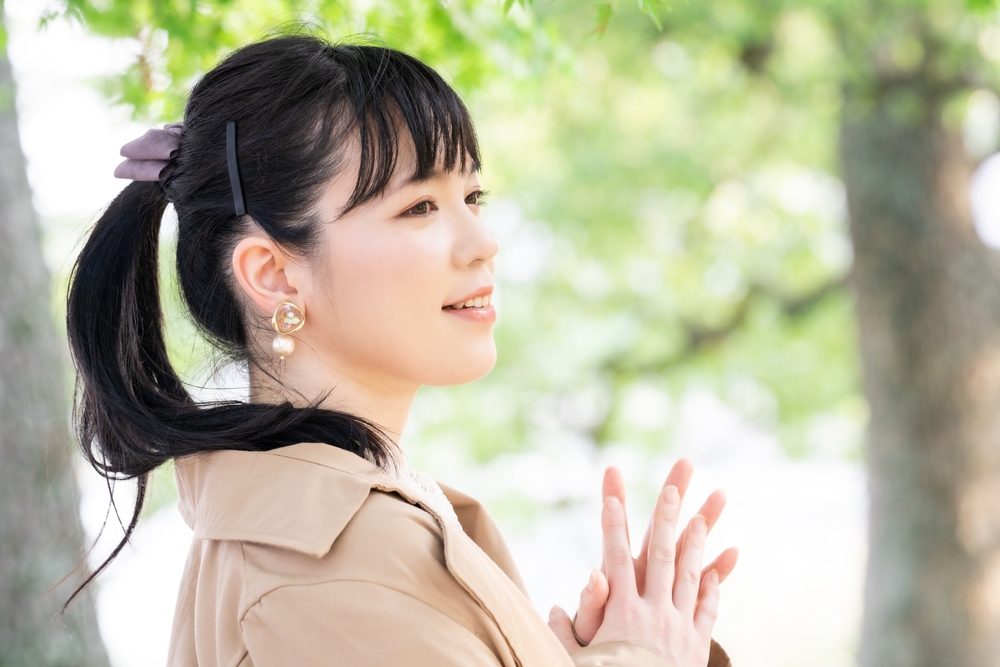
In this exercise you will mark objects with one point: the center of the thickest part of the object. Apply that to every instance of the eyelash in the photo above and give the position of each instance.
(480, 200)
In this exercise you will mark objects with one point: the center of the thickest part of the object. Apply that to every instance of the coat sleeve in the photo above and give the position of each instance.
(357, 624)
(621, 654)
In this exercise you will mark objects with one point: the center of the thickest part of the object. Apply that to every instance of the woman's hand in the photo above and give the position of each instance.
(653, 557)
(594, 596)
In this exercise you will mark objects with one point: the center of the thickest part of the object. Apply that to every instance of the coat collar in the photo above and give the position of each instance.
(298, 497)
(277, 498)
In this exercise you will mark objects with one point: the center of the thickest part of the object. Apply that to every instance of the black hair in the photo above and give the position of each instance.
(297, 102)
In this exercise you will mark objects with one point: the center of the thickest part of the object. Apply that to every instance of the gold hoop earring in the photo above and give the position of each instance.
(288, 318)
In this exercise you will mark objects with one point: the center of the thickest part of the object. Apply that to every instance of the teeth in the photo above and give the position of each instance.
(478, 302)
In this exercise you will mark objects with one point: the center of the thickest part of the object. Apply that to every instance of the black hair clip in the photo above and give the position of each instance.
(234, 169)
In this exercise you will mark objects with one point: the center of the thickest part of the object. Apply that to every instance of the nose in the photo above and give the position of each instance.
(475, 243)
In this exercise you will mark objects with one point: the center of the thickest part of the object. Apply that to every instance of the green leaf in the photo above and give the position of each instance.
(604, 12)
(648, 7)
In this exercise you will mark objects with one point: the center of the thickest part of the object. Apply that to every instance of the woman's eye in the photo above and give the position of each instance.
(423, 208)
(477, 198)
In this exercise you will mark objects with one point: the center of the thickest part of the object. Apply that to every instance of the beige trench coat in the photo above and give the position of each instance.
(309, 555)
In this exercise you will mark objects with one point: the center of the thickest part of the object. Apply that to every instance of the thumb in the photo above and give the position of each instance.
(561, 625)
(593, 600)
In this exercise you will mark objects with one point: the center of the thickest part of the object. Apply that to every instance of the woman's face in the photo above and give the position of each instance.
(385, 301)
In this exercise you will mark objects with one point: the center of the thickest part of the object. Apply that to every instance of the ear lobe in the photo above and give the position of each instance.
(260, 268)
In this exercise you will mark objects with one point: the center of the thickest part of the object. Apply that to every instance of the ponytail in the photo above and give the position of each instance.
(114, 323)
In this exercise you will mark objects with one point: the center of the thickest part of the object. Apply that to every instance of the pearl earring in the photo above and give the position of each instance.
(288, 318)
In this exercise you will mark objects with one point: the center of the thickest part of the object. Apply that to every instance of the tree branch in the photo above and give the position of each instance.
(698, 337)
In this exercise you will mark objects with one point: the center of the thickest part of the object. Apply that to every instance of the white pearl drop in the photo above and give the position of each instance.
(283, 345)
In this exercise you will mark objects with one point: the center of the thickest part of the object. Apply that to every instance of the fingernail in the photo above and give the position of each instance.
(712, 578)
(592, 582)
(612, 504)
(552, 612)
(671, 496)
(698, 524)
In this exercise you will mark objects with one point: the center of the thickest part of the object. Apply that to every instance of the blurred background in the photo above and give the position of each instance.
(759, 235)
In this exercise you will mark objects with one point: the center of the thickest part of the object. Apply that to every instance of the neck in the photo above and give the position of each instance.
(363, 394)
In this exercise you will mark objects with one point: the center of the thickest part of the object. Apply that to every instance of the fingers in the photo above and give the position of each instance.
(688, 578)
(708, 605)
(592, 601)
(723, 565)
(711, 509)
(562, 627)
(617, 554)
(661, 553)
(679, 477)
(614, 485)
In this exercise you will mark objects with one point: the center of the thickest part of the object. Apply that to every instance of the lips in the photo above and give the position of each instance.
(481, 315)
(475, 307)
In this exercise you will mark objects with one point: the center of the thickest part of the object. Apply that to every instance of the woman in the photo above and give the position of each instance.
(329, 236)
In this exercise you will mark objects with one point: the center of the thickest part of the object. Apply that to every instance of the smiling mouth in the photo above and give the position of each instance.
(478, 302)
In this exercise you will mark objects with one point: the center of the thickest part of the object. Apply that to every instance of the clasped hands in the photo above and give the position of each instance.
(663, 600)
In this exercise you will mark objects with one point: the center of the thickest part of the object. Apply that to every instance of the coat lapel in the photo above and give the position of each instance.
(479, 526)
(529, 639)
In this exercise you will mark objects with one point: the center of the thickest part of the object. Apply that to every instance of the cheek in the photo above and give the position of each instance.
(382, 283)
(382, 310)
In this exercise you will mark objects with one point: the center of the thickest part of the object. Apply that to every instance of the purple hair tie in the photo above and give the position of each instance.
(147, 156)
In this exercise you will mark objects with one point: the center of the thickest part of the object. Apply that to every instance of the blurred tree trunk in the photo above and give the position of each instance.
(40, 535)
(928, 300)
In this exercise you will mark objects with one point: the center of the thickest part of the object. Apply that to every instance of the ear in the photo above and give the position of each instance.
(265, 274)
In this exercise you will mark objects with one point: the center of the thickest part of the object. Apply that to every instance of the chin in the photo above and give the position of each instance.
(463, 368)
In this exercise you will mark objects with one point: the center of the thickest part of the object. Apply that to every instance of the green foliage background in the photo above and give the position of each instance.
(666, 190)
